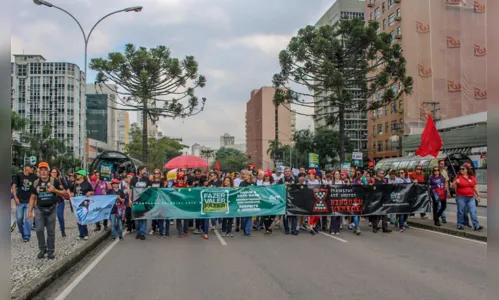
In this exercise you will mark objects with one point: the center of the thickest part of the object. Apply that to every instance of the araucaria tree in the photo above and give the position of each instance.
(152, 82)
(339, 64)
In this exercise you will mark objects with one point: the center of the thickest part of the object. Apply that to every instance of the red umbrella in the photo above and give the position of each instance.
(186, 161)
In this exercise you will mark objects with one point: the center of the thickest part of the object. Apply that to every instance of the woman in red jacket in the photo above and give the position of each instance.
(466, 189)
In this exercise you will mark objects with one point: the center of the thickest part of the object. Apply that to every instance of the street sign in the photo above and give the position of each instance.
(313, 160)
(32, 160)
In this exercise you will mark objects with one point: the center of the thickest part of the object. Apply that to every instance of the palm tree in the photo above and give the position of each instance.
(274, 150)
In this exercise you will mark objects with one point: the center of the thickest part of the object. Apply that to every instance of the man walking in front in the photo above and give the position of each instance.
(22, 192)
(44, 192)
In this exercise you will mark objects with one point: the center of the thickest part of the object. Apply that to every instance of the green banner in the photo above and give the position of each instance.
(199, 203)
(313, 160)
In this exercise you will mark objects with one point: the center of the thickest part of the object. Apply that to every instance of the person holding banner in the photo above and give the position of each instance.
(118, 210)
(313, 221)
(43, 200)
(227, 222)
(183, 231)
(82, 187)
(379, 179)
(158, 181)
(289, 179)
(404, 178)
(246, 221)
(100, 187)
(138, 185)
(334, 227)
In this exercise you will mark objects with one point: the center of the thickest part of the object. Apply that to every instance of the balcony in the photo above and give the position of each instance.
(398, 36)
(369, 4)
(398, 19)
(396, 1)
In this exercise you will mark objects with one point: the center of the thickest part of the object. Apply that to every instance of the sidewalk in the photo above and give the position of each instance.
(450, 227)
(29, 274)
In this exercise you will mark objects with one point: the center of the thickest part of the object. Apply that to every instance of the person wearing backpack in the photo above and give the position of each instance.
(118, 210)
(43, 200)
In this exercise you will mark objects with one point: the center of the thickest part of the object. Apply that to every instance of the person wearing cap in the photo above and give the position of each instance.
(289, 179)
(370, 168)
(278, 174)
(82, 187)
(118, 210)
(138, 184)
(21, 191)
(182, 229)
(43, 200)
(125, 187)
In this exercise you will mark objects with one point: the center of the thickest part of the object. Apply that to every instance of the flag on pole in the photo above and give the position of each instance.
(431, 142)
(217, 166)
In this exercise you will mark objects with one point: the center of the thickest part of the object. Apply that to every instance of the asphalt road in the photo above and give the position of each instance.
(416, 264)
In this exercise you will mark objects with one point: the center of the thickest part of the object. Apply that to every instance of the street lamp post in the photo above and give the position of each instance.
(86, 39)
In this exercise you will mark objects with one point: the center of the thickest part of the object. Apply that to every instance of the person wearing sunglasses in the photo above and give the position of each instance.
(439, 190)
(419, 178)
(467, 191)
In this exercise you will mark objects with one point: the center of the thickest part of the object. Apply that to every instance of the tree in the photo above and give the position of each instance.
(44, 146)
(153, 83)
(160, 150)
(274, 150)
(334, 62)
(18, 124)
(231, 160)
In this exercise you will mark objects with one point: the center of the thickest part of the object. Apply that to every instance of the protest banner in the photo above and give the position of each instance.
(93, 209)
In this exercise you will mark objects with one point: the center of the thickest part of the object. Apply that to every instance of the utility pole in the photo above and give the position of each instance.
(434, 110)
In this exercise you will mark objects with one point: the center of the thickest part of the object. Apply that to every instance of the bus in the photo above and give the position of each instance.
(115, 163)
(452, 163)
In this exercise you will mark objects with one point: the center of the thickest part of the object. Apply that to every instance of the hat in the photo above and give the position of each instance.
(131, 174)
(278, 170)
(267, 174)
(82, 172)
(115, 181)
(312, 171)
(370, 164)
(93, 178)
(344, 172)
(319, 173)
(43, 165)
(180, 176)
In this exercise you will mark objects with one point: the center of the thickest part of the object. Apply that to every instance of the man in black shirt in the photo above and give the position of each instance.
(21, 190)
(138, 185)
(289, 179)
(44, 192)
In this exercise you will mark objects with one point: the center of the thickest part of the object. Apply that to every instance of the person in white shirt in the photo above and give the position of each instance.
(278, 174)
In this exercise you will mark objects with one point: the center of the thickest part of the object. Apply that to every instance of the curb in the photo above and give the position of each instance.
(35, 286)
(449, 231)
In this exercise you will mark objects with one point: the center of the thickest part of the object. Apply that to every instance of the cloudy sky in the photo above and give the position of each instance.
(236, 43)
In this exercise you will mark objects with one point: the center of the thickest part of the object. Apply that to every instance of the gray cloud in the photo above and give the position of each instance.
(235, 42)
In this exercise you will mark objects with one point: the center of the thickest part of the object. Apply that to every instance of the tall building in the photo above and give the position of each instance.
(355, 120)
(226, 140)
(122, 129)
(50, 93)
(266, 122)
(444, 43)
(102, 116)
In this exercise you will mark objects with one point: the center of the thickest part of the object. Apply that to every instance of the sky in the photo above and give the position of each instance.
(235, 42)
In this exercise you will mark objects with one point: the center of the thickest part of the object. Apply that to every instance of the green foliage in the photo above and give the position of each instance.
(231, 160)
(160, 150)
(274, 150)
(46, 148)
(153, 83)
(332, 61)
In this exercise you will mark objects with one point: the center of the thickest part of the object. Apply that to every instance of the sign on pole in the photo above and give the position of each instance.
(313, 160)
(357, 159)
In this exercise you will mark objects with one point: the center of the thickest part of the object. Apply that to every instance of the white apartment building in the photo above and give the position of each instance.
(50, 93)
(355, 120)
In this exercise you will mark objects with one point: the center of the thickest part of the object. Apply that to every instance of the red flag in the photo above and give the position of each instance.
(217, 166)
(431, 142)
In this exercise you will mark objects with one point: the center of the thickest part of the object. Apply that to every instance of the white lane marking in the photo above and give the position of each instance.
(83, 274)
(450, 235)
(333, 237)
(220, 238)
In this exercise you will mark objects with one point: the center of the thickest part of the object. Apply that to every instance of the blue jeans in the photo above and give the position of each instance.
(141, 227)
(60, 214)
(83, 229)
(294, 223)
(214, 221)
(402, 220)
(443, 214)
(116, 223)
(464, 205)
(164, 230)
(246, 225)
(23, 223)
(206, 225)
(356, 221)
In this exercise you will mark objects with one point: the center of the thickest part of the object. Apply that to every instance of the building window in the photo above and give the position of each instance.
(401, 104)
(387, 145)
(376, 13)
(391, 19)
(401, 126)
(386, 127)
(380, 112)
(390, 3)
(371, 16)
(384, 24)
(21, 70)
(386, 110)
(392, 33)
(399, 32)
(380, 129)
(398, 12)
(394, 108)
(394, 89)
(380, 95)
(394, 126)
(374, 130)
(383, 7)
(380, 146)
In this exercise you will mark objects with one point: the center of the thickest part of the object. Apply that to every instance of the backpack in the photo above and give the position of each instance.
(37, 181)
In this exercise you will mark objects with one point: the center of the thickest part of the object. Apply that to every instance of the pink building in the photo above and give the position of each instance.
(444, 42)
(266, 122)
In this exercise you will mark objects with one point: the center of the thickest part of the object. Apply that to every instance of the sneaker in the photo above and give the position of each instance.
(85, 238)
(460, 228)
(237, 229)
(424, 217)
(350, 226)
(286, 232)
(231, 234)
(478, 228)
(444, 221)
(396, 223)
(406, 225)
(357, 231)
(224, 234)
(26, 240)
(121, 238)
(51, 256)
(161, 236)
(402, 229)
(197, 231)
(469, 226)
(41, 254)
(437, 223)
(294, 233)
(142, 237)
(312, 232)
(212, 227)
(152, 232)
(370, 224)
(63, 234)
(386, 230)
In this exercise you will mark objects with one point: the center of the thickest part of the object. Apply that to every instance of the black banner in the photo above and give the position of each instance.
(356, 200)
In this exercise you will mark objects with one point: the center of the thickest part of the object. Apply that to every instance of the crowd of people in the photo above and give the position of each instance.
(40, 193)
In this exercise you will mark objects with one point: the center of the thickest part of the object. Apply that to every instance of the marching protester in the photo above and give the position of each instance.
(21, 191)
(227, 222)
(246, 221)
(163, 225)
(404, 178)
(56, 174)
(118, 210)
(336, 220)
(289, 179)
(439, 190)
(126, 188)
(466, 192)
(139, 183)
(43, 200)
(82, 187)
(380, 180)
(100, 187)
(182, 229)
